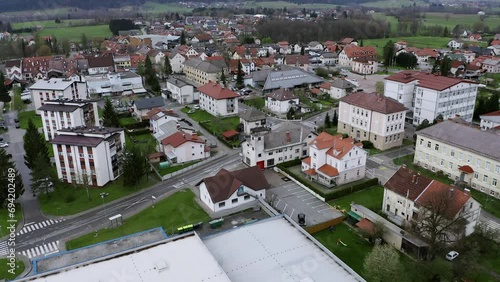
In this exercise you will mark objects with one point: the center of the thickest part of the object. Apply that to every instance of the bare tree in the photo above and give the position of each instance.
(85, 179)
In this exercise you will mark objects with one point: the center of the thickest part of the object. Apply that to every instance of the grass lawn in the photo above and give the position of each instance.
(145, 142)
(394, 3)
(174, 168)
(75, 33)
(408, 161)
(408, 142)
(127, 120)
(224, 124)
(52, 23)
(25, 116)
(4, 215)
(155, 7)
(4, 269)
(256, 102)
(68, 199)
(416, 41)
(488, 203)
(199, 115)
(289, 6)
(177, 210)
(374, 151)
(491, 21)
(371, 198)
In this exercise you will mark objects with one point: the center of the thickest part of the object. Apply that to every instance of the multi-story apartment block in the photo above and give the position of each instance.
(490, 120)
(284, 142)
(372, 117)
(428, 95)
(182, 91)
(409, 197)
(55, 89)
(463, 153)
(334, 160)
(91, 155)
(200, 71)
(218, 100)
(60, 114)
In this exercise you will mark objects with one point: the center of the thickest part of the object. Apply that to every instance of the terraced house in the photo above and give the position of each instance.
(465, 154)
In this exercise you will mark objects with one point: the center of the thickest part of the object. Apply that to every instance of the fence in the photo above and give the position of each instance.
(170, 175)
(322, 226)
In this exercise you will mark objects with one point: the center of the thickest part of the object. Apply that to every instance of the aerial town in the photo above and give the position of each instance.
(239, 147)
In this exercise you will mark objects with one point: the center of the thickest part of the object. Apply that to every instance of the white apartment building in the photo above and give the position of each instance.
(364, 66)
(428, 95)
(218, 100)
(60, 114)
(253, 120)
(372, 117)
(286, 141)
(490, 120)
(463, 153)
(281, 100)
(176, 61)
(182, 147)
(334, 160)
(91, 155)
(408, 196)
(230, 189)
(182, 91)
(55, 89)
(338, 88)
(115, 84)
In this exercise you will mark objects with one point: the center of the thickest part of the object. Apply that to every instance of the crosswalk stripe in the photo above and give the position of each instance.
(50, 248)
(28, 252)
(45, 248)
(44, 224)
(51, 221)
(28, 228)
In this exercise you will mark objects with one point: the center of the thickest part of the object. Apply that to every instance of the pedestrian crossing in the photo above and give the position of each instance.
(4, 249)
(377, 160)
(30, 227)
(43, 250)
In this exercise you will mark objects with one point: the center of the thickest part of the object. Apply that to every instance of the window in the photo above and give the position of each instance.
(487, 166)
(222, 204)
(497, 169)
(461, 156)
(246, 198)
(427, 156)
(436, 147)
(442, 162)
(428, 144)
(452, 153)
(476, 175)
(445, 150)
(451, 165)
(469, 158)
(259, 155)
(494, 182)
(234, 201)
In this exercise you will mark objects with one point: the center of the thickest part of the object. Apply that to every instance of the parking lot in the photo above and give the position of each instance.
(289, 198)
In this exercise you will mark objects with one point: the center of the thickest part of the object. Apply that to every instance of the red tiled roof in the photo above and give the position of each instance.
(315, 91)
(366, 225)
(329, 170)
(180, 138)
(282, 95)
(446, 199)
(466, 169)
(311, 171)
(406, 182)
(495, 42)
(216, 91)
(347, 40)
(334, 144)
(353, 51)
(325, 85)
(307, 160)
(373, 101)
(230, 133)
(495, 113)
(156, 155)
(426, 80)
(296, 60)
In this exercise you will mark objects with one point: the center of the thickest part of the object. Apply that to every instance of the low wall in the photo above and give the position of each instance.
(325, 225)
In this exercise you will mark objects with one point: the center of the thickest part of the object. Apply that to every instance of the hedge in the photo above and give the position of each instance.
(137, 125)
(336, 192)
(291, 163)
(124, 115)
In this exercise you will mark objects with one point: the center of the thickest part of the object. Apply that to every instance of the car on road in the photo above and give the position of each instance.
(4, 144)
(452, 255)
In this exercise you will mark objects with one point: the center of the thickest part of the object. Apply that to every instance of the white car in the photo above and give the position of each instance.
(452, 255)
(196, 107)
(4, 144)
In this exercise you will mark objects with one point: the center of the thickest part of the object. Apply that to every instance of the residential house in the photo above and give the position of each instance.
(200, 71)
(284, 142)
(281, 100)
(159, 116)
(181, 147)
(13, 69)
(143, 106)
(491, 65)
(364, 66)
(495, 50)
(177, 62)
(315, 46)
(55, 89)
(372, 117)
(253, 120)
(100, 65)
(463, 153)
(230, 189)
(284, 48)
(490, 120)
(299, 61)
(61, 114)
(338, 88)
(91, 155)
(122, 62)
(349, 41)
(218, 100)
(115, 84)
(181, 91)
(334, 160)
(351, 53)
(455, 44)
(329, 58)
(427, 95)
(410, 197)
(475, 37)
(290, 79)
(157, 57)
(202, 38)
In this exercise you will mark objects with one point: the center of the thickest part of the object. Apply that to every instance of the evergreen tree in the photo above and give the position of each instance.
(436, 66)
(167, 67)
(335, 119)
(109, 115)
(491, 103)
(239, 76)
(9, 175)
(328, 122)
(41, 176)
(446, 33)
(361, 44)
(4, 93)
(140, 69)
(445, 66)
(150, 75)
(291, 113)
(389, 52)
(84, 41)
(182, 40)
(34, 144)
(223, 79)
(302, 50)
(133, 166)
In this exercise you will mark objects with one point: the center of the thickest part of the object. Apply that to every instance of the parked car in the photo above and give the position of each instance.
(197, 107)
(452, 255)
(192, 111)
(16, 120)
(4, 144)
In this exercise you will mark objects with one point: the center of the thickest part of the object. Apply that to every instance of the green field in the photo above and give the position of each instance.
(288, 5)
(53, 24)
(416, 41)
(394, 3)
(155, 7)
(4, 268)
(440, 19)
(75, 33)
(175, 211)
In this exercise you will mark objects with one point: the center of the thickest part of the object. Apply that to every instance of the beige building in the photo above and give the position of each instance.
(373, 117)
(201, 72)
(463, 153)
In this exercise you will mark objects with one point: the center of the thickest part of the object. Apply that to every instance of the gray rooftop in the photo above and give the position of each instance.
(252, 114)
(290, 79)
(203, 66)
(278, 135)
(178, 82)
(52, 84)
(149, 103)
(485, 143)
(58, 108)
(342, 84)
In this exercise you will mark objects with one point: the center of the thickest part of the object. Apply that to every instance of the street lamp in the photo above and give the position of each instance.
(104, 195)
(153, 198)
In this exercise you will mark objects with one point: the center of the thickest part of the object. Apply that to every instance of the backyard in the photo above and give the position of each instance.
(371, 198)
(25, 116)
(256, 102)
(4, 269)
(173, 168)
(69, 199)
(176, 210)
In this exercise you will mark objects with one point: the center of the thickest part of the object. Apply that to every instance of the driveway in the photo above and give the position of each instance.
(289, 198)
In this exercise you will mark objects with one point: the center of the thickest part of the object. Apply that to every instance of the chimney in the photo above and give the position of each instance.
(288, 137)
(414, 179)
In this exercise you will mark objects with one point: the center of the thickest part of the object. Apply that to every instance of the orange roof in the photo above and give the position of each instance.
(180, 138)
(230, 133)
(329, 170)
(359, 52)
(325, 85)
(365, 225)
(315, 91)
(310, 171)
(442, 196)
(216, 91)
(495, 113)
(335, 144)
(307, 160)
(466, 169)
(426, 80)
